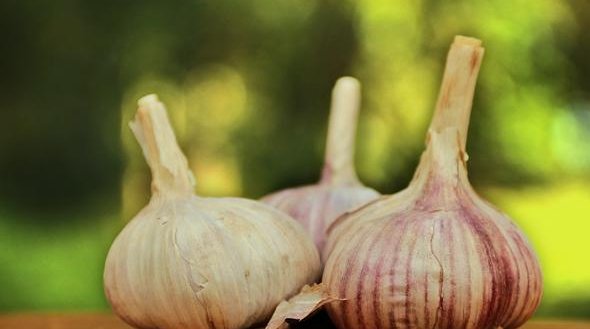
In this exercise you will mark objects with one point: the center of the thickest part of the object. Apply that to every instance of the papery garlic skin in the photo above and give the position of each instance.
(217, 263)
(339, 190)
(434, 255)
(415, 262)
(317, 206)
(190, 262)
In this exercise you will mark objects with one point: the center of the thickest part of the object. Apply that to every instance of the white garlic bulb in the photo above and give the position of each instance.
(339, 189)
(434, 255)
(193, 262)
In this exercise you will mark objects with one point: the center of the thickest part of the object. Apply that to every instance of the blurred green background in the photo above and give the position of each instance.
(247, 84)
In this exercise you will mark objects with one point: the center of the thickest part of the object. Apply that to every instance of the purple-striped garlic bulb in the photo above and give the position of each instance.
(434, 255)
(194, 262)
(339, 189)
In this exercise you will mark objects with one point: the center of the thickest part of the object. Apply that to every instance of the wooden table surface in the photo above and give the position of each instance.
(109, 321)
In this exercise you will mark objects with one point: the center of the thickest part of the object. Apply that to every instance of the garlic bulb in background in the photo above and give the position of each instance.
(339, 189)
(434, 255)
(193, 262)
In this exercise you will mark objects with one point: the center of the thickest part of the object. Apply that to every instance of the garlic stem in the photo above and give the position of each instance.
(455, 97)
(443, 161)
(339, 158)
(151, 127)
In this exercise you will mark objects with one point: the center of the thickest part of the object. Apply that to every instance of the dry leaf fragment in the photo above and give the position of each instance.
(310, 299)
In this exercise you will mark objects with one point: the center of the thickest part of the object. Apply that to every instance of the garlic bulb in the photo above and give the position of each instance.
(193, 262)
(339, 189)
(434, 255)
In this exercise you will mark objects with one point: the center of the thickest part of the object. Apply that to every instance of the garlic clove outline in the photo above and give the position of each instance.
(339, 189)
(194, 262)
(434, 255)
